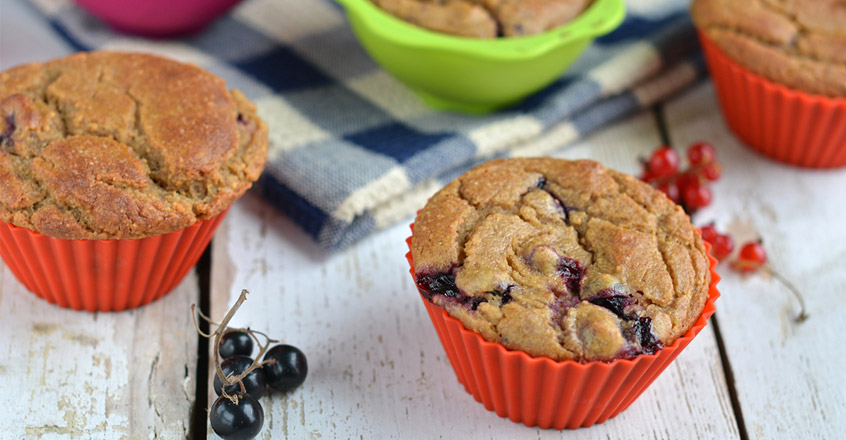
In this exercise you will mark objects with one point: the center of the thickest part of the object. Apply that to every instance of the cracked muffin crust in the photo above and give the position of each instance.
(486, 18)
(798, 43)
(565, 259)
(110, 145)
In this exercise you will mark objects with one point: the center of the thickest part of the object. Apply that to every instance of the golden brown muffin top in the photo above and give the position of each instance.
(486, 18)
(563, 259)
(798, 43)
(109, 145)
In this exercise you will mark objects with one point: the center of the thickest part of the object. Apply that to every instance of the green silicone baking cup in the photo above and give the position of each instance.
(473, 75)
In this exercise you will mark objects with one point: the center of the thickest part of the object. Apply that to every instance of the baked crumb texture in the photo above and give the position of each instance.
(561, 259)
(798, 43)
(486, 18)
(110, 145)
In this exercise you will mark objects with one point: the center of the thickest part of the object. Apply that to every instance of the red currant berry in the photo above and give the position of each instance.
(671, 189)
(701, 153)
(709, 233)
(696, 196)
(722, 247)
(687, 180)
(664, 162)
(712, 171)
(751, 257)
(647, 176)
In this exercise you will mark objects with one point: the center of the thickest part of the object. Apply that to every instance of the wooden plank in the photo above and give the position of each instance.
(788, 377)
(68, 374)
(377, 369)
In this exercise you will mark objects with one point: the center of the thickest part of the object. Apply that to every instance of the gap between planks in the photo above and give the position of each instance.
(199, 414)
(664, 133)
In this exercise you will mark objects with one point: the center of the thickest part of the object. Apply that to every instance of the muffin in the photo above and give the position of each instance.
(125, 161)
(779, 68)
(486, 18)
(559, 269)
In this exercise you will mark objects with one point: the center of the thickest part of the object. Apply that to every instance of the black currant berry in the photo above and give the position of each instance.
(233, 343)
(254, 382)
(289, 369)
(236, 422)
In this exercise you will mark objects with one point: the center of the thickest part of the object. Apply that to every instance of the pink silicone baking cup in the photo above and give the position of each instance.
(546, 393)
(785, 124)
(103, 275)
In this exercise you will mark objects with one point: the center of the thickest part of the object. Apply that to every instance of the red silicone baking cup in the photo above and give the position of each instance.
(546, 393)
(785, 124)
(103, 275)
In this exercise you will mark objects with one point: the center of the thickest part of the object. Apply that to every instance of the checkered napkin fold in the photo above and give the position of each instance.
(352, 150)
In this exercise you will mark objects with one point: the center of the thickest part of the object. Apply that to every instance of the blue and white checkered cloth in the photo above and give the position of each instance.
(351, 149)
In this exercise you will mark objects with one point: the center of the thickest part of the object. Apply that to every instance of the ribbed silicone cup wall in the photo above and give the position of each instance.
(546, 393)
(784, 124)
(103, 275)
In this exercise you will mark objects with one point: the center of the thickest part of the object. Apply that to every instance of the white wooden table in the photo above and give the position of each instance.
(376, 368)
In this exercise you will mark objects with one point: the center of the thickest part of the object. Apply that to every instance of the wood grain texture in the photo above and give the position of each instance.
(69, 375)
(789, 378)
(376, 368)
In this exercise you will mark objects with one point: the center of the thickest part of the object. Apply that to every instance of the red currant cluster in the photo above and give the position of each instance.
(688, 188)
(751, 258)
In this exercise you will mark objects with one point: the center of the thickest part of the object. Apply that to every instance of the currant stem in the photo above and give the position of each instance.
(196, 325)
(206, 318)
(219, 332)
(268, 338)
(232, 397)
(784, 281)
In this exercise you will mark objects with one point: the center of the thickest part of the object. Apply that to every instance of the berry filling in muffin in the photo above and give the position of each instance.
(637, 330)
(8, 130)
